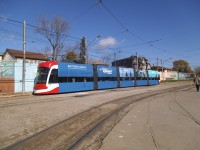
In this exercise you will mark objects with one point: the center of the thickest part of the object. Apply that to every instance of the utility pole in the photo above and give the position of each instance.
(115, 59)
(162, 69)
(136, 71)
(157, 63)
(24, 57)
(136, 62)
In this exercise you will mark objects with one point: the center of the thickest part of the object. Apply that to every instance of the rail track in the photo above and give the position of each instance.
(17, 101)
(87, 129)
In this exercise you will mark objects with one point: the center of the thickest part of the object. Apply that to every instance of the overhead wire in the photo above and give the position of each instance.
(20, 34)
(125, 29)
(99, 46)
(84, 12)
(72, 37)
(119, 22)
(130, 32)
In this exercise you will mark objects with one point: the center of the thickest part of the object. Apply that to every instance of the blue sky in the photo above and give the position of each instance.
(163, 29)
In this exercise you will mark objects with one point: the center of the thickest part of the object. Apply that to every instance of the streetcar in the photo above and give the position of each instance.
(61, 77)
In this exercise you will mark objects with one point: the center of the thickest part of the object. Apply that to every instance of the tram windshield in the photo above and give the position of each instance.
(42, 74)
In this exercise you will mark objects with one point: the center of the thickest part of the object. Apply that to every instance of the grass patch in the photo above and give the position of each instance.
(166, 81)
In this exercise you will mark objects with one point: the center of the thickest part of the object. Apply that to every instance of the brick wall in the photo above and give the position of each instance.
(6, 85)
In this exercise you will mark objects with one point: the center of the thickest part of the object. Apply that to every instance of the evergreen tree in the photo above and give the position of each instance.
(83, 48)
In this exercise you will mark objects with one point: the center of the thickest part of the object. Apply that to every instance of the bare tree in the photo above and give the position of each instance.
(54, 31)
(46, 51)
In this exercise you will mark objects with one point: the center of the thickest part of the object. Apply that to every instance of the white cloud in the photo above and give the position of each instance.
(107, 42)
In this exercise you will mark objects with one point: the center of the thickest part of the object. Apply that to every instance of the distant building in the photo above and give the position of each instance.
(11, 70)
(131, 62)
(14, 55)
(98, 63)
(160, 68)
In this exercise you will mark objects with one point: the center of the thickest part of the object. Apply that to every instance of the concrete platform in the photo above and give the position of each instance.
(167, 122)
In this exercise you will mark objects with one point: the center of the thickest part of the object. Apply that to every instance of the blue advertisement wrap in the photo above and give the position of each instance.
(141, 82)
(153, 82)
(75, 86)
(126, 72)
(127, 75)
(106, 71)
(153, 73)
(142, 73)
(74, 70)
(107, 84)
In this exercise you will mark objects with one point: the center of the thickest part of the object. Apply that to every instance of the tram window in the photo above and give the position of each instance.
(141, 78)
(122, 79)
(89, 79)
(126, 78)
(107, 79)
(75, 79)
(42, 74)
(54, 76)
(62, 79)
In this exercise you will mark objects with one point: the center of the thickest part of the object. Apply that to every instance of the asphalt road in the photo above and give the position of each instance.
(23, 116)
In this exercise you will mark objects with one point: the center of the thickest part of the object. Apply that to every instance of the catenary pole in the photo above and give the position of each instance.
(24, 56)
(157, 63)
(137, 61)
(162, 69)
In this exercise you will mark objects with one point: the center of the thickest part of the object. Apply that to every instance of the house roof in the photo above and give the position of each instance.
(160, 68)
(29, 55)
(98, 63)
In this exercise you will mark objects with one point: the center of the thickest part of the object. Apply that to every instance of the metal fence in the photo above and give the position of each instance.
(11, 76)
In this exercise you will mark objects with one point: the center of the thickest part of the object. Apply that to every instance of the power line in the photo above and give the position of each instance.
(116, 19)
(38, 27)
(19, 34)
(116, 34)
(84, 12)
(139, 44)
(45, 29)
(6, 19)
(125, 28)
(119, 22)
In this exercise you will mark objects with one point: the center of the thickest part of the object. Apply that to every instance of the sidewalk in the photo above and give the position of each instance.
(169, 122)
(7, 95)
